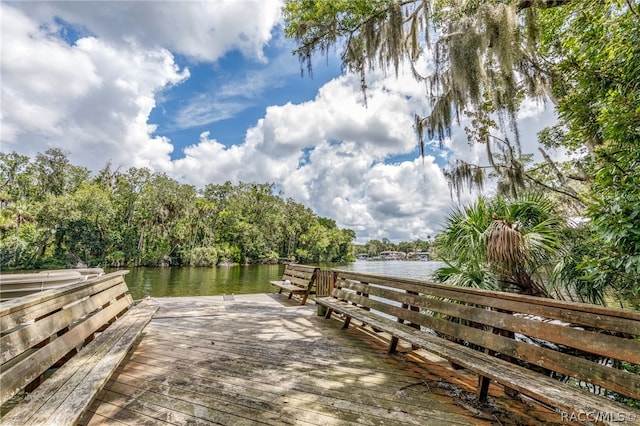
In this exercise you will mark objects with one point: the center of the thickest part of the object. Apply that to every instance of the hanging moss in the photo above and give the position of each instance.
(485, 53)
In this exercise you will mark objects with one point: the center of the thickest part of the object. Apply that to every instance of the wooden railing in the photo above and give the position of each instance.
(324, 283)
(82, 331)
(543, 348)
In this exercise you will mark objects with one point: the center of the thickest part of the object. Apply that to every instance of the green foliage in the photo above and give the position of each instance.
(509, 244)
(11, 251)
(54, 214)
(615, 216)
(597, 87)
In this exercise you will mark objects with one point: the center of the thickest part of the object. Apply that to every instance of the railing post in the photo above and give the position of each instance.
(324, 287)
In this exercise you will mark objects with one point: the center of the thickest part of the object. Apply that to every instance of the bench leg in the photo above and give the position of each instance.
(304, 298)
(347, 320)
(393, 345)
(280, 290)
(328, 314)
(483, 388)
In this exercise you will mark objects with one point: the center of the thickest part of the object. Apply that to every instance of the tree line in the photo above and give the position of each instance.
(57, 214)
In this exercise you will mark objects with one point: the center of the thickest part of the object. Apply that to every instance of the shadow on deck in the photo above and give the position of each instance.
(264, 359)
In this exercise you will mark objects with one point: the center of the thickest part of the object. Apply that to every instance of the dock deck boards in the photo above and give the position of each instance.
(264, 359)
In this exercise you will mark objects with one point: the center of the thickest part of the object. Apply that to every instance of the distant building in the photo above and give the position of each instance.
(418, 255)
(392, 255)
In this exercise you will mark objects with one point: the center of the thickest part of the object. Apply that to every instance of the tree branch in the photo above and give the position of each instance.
(558, 173)
(632, 9)
(544, 185)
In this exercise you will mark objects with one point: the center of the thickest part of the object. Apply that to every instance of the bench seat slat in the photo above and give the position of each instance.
(289, 287)
(62, 399)
(535, 385)
(16, 312)
(17, 342)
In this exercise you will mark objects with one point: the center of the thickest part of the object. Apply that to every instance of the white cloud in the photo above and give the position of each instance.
(208, 161)
(90, 99)
(34, 68)
(201, 30)
(205, 109)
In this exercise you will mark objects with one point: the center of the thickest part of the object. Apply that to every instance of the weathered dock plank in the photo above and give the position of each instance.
(266, 360)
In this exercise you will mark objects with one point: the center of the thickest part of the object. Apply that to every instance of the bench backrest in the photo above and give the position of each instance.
(20, 285)
(525, 329)
(40, 330)
(302, 276)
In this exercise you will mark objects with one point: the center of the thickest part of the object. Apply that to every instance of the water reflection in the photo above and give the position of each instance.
(190, 281)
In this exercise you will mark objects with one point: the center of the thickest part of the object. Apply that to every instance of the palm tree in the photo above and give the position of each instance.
(13, 215)
(524, 240)
(462, 246)
(507, 243)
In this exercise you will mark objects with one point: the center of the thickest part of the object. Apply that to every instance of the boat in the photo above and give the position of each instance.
(18, 285)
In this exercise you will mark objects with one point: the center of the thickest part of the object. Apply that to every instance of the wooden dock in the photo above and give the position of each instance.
(264, 359)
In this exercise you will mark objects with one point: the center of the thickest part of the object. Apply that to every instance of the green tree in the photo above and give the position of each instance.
(158, 211)
(374, 247)
(406, 246)
(598, 98)
(14, 178)
(54, 214)
(509, 244)
(126, 241)
(55, 175)
(296, 222)
(16, 233)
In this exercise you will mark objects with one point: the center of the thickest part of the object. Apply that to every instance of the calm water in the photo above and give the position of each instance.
(395, 268)
(185, 281)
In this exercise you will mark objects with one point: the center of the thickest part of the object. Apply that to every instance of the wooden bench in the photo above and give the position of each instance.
(297, 279)
(546, 349)
(81, 330)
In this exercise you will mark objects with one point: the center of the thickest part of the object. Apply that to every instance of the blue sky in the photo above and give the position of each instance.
(234, 93)
(208, 91)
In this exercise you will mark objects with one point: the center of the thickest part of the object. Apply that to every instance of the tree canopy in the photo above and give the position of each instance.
(55, 214)
(482, 51)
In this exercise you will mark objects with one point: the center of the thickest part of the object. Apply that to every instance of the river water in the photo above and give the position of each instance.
(191, 281)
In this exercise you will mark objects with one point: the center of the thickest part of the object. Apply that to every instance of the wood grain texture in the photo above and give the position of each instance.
(42, 331)
(476, 329)
(264, 359)
(16, 312)
(65, 396)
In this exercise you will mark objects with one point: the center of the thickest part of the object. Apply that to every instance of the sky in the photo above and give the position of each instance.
(209, 92)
